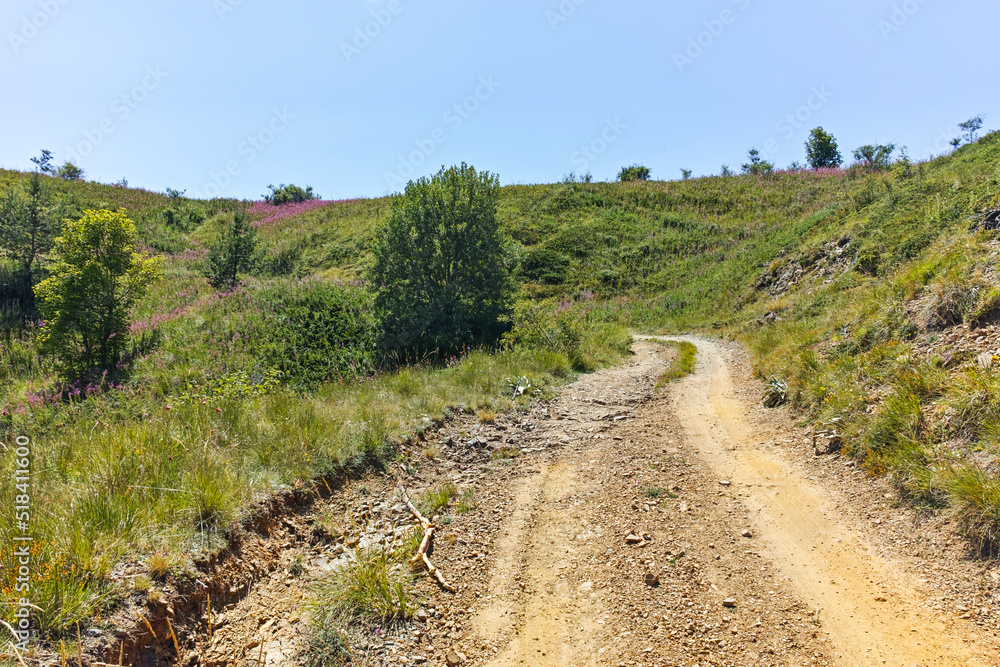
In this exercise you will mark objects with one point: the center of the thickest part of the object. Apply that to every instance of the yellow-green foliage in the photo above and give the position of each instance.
(95, 282)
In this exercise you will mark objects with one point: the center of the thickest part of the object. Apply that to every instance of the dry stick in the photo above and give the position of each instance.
(150, 627)
(421, 554)
(62, 652)
(121, 654)
(174, 637)
(201, 649)
(260, 658)
(79, 646)
(208, 603)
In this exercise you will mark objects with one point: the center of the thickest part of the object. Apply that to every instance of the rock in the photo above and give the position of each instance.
(729, 602)
(421, 615)
(985, 360)
(747, 533)
(652, 580)
(633, 539)
(454, 659)
(586, 587)
(724, 482)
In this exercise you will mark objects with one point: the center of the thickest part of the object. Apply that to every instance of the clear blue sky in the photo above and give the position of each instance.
(227, 96)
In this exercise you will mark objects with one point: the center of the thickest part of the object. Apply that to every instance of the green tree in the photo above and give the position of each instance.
(43, 163)
(757, 166)
(70, 172)
(821, 150)
(87, 300)
(442, 269)
(26, 226)
(875, 157)
(233, 253)
(971, 127)
(636, 172)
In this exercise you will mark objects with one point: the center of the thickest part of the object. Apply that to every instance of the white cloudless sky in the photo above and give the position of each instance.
(354, 97)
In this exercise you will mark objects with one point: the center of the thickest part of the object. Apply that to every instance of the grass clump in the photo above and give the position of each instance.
(682, 365)
(374, 587)
(436, 499)
(976, 500)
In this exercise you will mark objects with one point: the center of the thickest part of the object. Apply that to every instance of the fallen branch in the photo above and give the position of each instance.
(425, 544)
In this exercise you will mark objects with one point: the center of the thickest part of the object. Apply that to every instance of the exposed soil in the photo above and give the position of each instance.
(619, 525)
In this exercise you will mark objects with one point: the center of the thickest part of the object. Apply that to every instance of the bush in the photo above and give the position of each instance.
(546, 266)
(636, 172)
(442, 271)
(319, 331)
(97, 279)
(183, 218)
(287, 194)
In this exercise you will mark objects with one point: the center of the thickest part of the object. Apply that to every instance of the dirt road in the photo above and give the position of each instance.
(671, 536)
(621, 525)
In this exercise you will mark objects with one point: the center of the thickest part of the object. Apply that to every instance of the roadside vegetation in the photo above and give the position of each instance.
(682, 365)
(266, 348)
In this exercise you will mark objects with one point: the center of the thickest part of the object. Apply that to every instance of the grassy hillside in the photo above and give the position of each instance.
(842, 282)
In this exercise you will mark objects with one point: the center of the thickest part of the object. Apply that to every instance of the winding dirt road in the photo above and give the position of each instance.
(665, 533)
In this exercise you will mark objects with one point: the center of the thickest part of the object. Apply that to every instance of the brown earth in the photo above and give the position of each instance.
(620, 525)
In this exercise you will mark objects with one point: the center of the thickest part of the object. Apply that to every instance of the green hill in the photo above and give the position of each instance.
(860, 294)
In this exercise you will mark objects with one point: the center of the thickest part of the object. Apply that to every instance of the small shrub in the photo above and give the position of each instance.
(653, 492)
(636, 172)
(776, 393)
(288, 194)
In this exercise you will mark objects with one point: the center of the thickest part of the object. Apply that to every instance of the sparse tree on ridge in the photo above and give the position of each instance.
(70, 172)
(821, 150)
(971, 127)
(43, 163)
(875, 157)
(757, 166)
